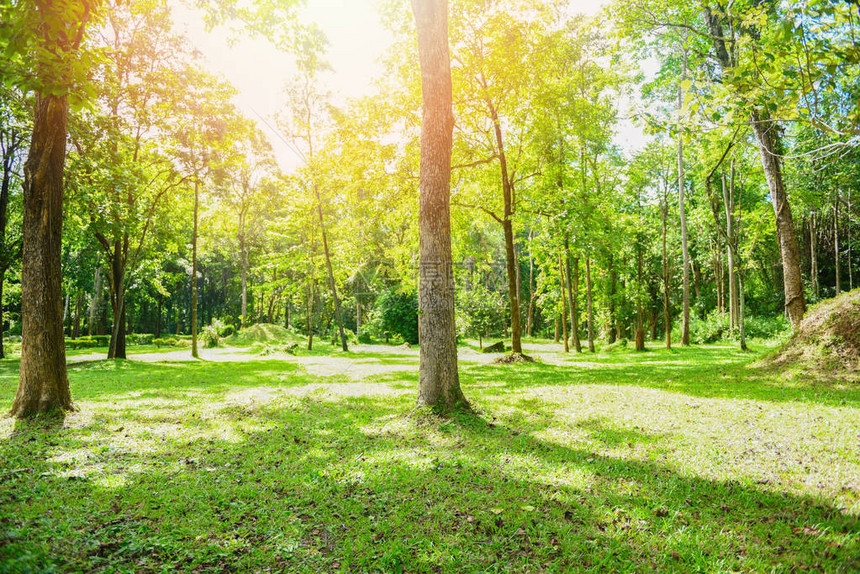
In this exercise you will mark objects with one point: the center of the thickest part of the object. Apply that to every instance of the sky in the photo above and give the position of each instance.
(357, 40)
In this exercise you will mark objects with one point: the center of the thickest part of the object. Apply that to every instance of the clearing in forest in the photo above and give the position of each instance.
(665, 460)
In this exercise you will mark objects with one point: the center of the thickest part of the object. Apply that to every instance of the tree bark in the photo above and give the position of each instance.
(613, 321)
(836, 243)
(310, 317)
(813, 255)
(94, 304)
(572, 295)
(438, 376)
(194, 271)
(43, 383)
(590, 305)
(331, 282)
(565, 310)
(729, 205)
(243, 256)
(768, 143)
(667, 316)
(117, 348)
(685, 313)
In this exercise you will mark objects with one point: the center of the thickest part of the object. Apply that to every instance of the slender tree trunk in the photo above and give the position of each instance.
(685, 314)
(836, 244)
(194, 271)
(813, 255)
(117, 348)
(331, 281)
(76, 327)
(243, 256)
(564, 307)
(639, 335)
(667, 316)
(43, 383)
(558, 321)
(310, 314)
(158, 317)
(94, 304)
(768, 142)
(590, 306)
(572, 295)
(574, 305)
(438, 376)
(613, 321)
(2, 330)
(848, 240)
(530, 320)
(728, 202)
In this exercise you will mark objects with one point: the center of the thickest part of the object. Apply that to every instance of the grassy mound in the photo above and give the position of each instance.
(261, 333)
(828, 339)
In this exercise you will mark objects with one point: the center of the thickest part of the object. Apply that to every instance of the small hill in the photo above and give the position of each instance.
(261, 333)
(828, 339)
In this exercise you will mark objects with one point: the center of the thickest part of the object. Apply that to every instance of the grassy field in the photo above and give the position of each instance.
(689, 460)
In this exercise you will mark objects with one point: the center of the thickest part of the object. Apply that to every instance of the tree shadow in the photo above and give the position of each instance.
(369, 484)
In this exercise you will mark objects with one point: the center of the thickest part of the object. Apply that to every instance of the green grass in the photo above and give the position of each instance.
(689, 460)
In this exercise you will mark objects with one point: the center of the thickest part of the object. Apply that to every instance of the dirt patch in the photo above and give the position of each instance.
(513, 358)
(827, 341)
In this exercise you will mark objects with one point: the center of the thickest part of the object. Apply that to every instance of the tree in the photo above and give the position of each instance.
(55, 31)
(438, 378)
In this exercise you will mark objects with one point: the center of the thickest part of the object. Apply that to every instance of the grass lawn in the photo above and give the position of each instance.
(684, 460)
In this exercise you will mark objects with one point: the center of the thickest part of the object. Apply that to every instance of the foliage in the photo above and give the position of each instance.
(480, 312)
(397, 313)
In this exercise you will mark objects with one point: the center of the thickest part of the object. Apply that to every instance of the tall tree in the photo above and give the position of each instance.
(438, 378)
(54, 30)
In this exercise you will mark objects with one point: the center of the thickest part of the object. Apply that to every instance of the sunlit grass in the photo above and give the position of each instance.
(682, 460)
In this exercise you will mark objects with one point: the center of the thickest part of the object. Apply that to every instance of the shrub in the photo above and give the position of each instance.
(168, 342)
(364, 337)
(211, 334)
(397, 313)
(140, 339)
(82, 343)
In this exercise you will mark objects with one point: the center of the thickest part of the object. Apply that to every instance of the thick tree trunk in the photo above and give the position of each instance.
(43, 383)
(117, 349)
(194, 352)
(590, 304)
(564, 306)
(768, 143)
(438, 376)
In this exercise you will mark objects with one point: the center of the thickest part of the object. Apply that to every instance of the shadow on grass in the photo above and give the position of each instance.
(322, 484)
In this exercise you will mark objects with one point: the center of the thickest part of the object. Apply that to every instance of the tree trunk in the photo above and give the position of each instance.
(76, 327)
(158, 317)
(685, 314)
(310, 314)
(590, 305)
(94, 304)
(836, 244)
(2, 330)
(667, 317)
(438, 376)
(572, 295)
(117, 349)
(194, 271)
(331, 281)
(574, 306)
(813, 255)
(613, 321)
(639, 334)
(243, 256)
(530, 319)
(43, 383)
(728, 202)
(557, 336)
(564, 307)
(768, 143)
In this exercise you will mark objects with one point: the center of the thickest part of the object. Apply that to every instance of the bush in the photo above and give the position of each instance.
(211, 334)
(397, 313)
(140, 339)
(168, 342)
(364, 337)
(82, 343)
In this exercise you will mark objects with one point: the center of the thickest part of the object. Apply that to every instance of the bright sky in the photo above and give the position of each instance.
(357, 41)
